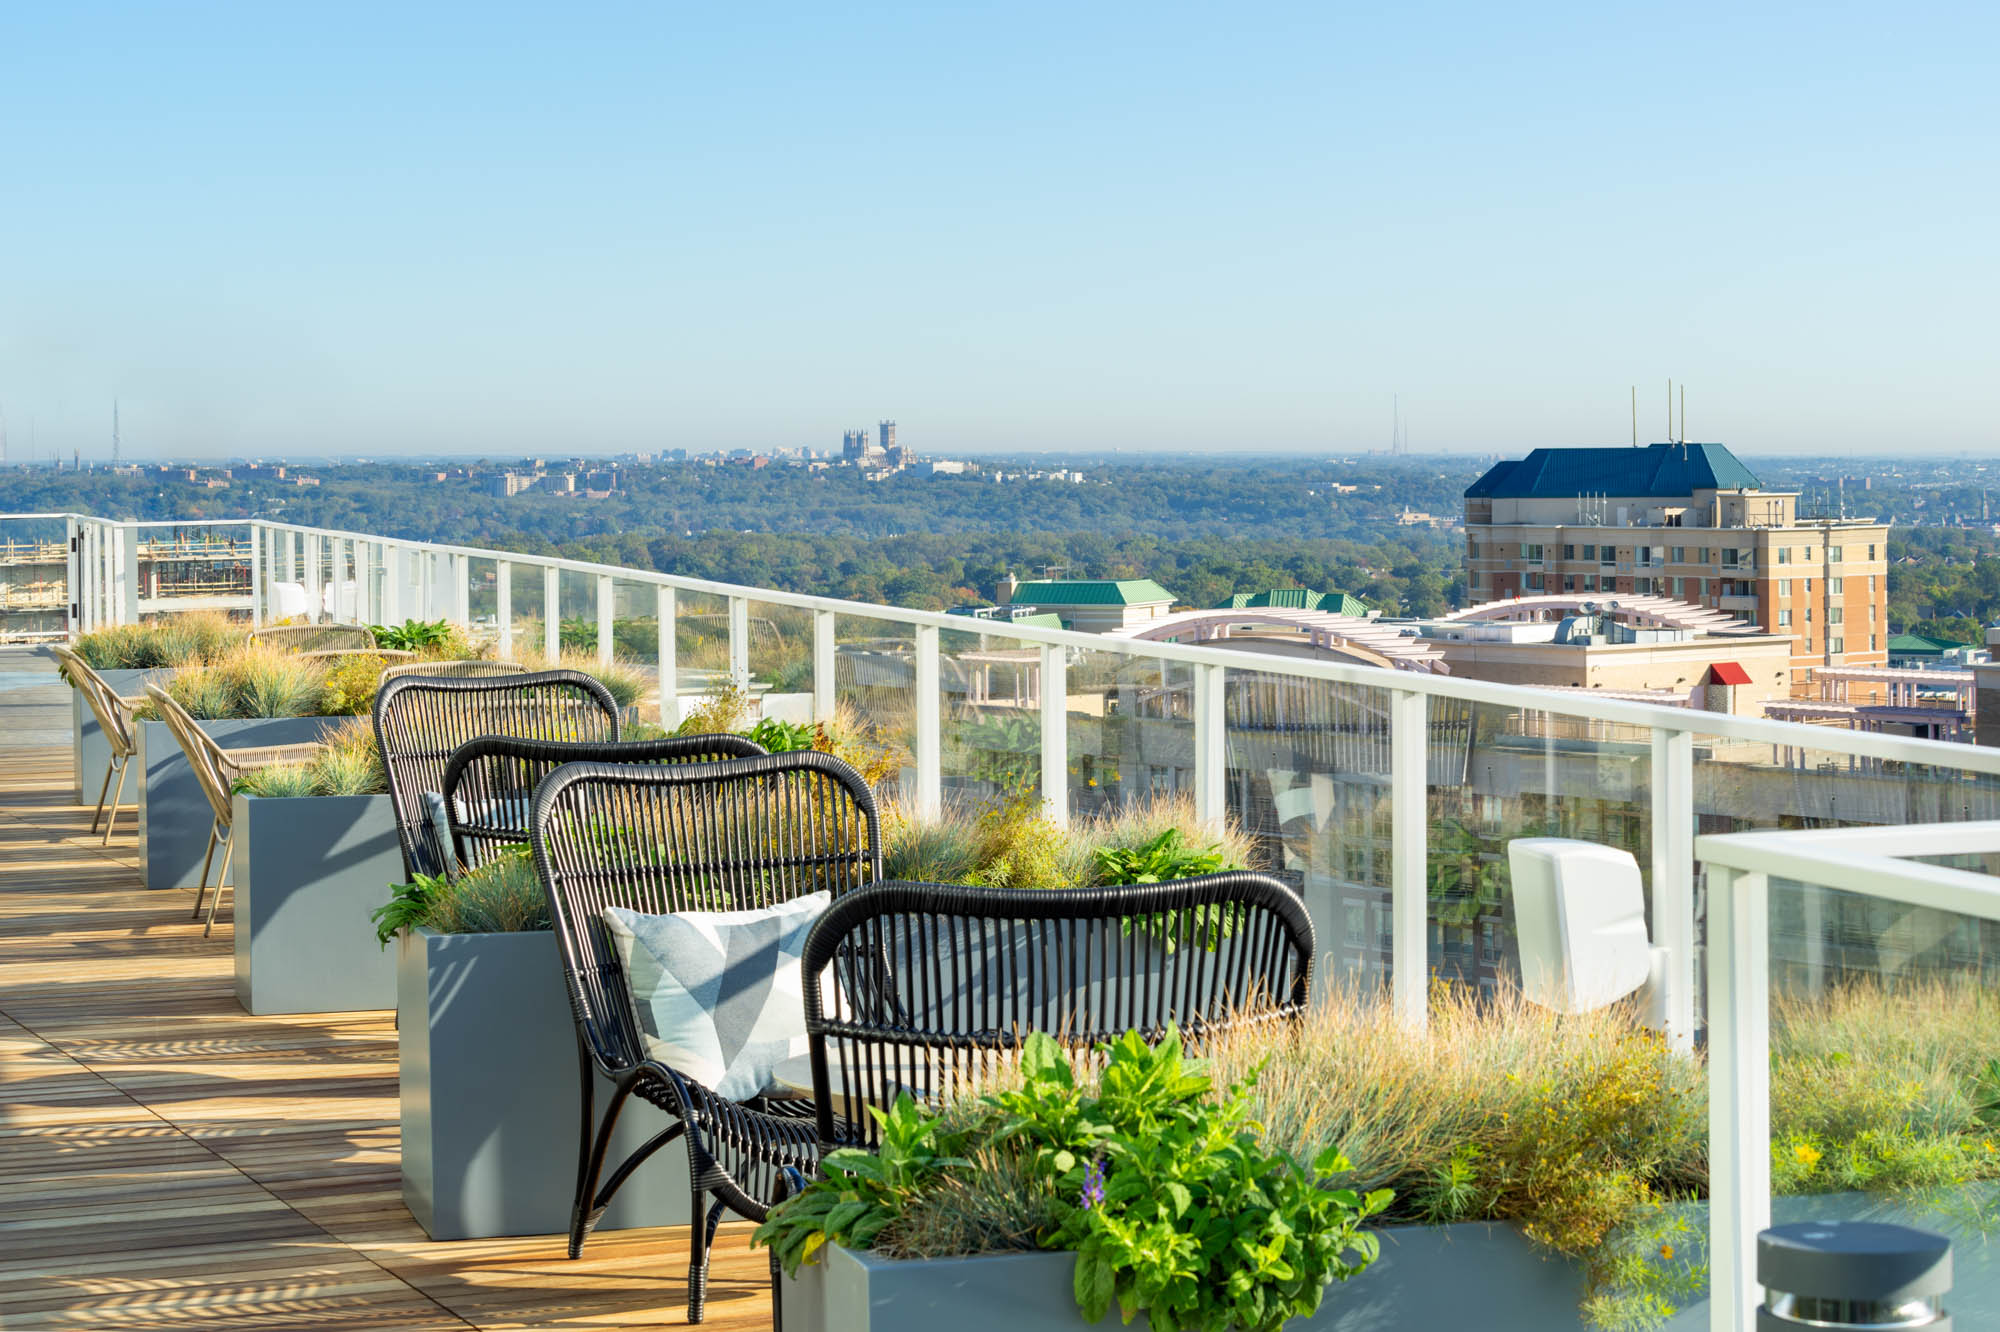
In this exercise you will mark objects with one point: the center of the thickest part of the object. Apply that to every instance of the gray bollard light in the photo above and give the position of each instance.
(1851, 1275)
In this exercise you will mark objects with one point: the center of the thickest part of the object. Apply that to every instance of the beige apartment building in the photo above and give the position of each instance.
(1687, 521)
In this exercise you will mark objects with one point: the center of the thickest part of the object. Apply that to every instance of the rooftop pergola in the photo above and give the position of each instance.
(1651, 611)
(1350, 635)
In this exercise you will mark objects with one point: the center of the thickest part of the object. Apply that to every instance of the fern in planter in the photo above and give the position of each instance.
(1164, 858)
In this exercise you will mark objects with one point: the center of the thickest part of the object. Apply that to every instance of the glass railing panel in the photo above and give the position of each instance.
(1308, 779)
(875, 677)
(1820, 938)
(1131, 730)
(34, 578)
(1497, 773)
(781, 661)
(990, 715)
(527, 612)
(701, 652)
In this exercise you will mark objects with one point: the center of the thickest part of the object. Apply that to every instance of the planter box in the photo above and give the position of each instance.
(88, 752)
(1428, 1277)
(489, 1095)
(306, 872)
(174, 817)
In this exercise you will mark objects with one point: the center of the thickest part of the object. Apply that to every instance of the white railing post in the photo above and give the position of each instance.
(371, 575)
(930, 724)
(256, 575)
(315, 598)
(125, 578)
(669, 657)
(503, 606)
(739, 645)
(392, 585)
(73, 578)
(551, 613)
(1054, 688)
(1739, 1092)
(605, 633)
(826, 659)
(89, 580)
(1211, 766)
(460, 568)
(1673, 877)
(426, 590)
(1409, 870)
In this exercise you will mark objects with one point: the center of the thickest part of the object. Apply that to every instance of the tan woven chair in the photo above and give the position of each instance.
(466, 669)
(315, 637)
(217, 770)
(334, 656)
(114, 719)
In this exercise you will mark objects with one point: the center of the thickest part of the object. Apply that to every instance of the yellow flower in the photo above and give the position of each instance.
(1805, 1154)
(1667, 1251)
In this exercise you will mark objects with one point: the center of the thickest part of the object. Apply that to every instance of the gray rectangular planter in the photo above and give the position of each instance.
(174, 817)
(306, 872)
(1428, 1277)
(88, 752)
(489, 1094)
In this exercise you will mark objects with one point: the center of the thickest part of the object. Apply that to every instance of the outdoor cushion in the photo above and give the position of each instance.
(499, 811)
(718, 993)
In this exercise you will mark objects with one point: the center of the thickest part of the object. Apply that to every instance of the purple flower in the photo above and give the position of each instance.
(1093, 1184)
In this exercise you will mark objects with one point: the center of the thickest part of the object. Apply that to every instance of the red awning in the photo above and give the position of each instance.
(1728, 673)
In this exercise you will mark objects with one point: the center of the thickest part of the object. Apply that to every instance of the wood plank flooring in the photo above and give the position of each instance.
(167, 1160)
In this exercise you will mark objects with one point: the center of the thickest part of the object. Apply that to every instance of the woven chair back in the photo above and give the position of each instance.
(421, 719)
(456, 670)
(211, 768)
(113, 719)
(315, 637)
(931, 989)
(489, 783)
(688, 837)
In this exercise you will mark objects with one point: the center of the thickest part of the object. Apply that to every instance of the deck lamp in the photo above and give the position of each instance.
(1580, 916)
(1852, 1274)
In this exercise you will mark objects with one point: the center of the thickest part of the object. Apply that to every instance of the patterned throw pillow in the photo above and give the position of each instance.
(718, 993)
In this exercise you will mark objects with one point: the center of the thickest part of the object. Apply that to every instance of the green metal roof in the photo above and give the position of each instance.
(1297, 598)
(1041, 620)
(1911, 645)
(1658, 471)
(1090, 592)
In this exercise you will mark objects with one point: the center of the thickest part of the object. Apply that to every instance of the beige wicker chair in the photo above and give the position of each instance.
(470, 667)
(217, 769)
(334, 656)
(312, 637)
(114, 719)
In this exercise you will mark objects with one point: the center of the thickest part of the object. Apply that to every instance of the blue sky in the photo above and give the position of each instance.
(505, 227)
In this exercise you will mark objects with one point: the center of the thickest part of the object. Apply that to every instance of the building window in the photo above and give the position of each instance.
(1836, 645)
(1607, 555)
(1729, 559)
(1534, 580)
(1569, 552)
(1642, 586)
(1784, 619)
(1569, 582)
(1808, 554)
(1871, 642)
(1808, 587)
(1529, 552)
(1809, 615)
(1678, 554)
(1871, 551)
(1871, 612)
(1784, 587)
(1472, 550)
(1590, 552)
(1680, 587)
(1835, 584)
(1656, 554)
(1784, 554)
(1357, 924)
(1833, 554)
(1834, 614)
(1590, 582)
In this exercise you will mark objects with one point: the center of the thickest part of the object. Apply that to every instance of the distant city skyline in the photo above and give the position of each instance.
(502, 229)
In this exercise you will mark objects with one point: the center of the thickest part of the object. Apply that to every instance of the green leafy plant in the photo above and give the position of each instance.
(782, 737)
(408, 907)
(502, 896)
(413, 635)
(1163, 1187)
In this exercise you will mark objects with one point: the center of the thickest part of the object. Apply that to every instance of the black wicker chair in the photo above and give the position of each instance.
(421, 720)
(660, 839)
(489, 783)
(935, 986)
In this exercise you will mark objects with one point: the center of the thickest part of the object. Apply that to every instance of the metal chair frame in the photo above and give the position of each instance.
(114, 720)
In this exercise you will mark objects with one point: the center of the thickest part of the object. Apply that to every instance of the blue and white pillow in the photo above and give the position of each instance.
(719, 994)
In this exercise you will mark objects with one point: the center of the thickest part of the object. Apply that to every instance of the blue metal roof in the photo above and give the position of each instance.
(1658, 471)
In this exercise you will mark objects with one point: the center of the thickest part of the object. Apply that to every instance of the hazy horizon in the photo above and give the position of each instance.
(504, 230)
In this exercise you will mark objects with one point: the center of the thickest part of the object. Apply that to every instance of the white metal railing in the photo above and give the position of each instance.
(395, 579)
(1873, 862)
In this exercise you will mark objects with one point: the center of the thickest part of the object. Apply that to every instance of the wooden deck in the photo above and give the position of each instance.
(166, 1160)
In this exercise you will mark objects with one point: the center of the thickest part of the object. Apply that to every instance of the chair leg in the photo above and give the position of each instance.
(201, 888)
(221, 879)
(701, 1239)
(111, 814)
(101, 791)
(594, 1142)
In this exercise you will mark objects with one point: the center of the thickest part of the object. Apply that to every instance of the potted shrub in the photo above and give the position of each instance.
(1545, 1170)
(487, 1067)
(130, 657)
(315, 852)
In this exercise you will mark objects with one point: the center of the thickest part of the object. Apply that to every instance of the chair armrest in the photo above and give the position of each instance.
(248, 760)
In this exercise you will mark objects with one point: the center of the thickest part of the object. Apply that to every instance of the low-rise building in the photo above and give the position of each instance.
(1091, 605)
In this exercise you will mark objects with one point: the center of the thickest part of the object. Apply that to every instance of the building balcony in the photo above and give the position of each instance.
(1388, 798)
